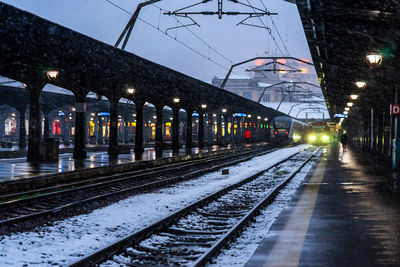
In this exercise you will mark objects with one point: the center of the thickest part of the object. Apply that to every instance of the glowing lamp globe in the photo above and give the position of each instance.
(361, 84)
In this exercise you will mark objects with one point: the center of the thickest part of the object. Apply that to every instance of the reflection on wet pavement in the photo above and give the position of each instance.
(17, 168)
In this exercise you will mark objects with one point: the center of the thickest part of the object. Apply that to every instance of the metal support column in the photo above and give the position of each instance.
(139, 128)
(22, 130)
(159, 120)
(113, 141)
(34, 139)
(100, 130)
(189, 129)
(200, 137)
(175, 129)
(219, 130)
(79, 142)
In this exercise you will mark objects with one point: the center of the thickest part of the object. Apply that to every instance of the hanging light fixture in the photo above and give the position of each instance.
(374, 59)
(347, 108)
(224, 110)
(361, 84)
(176, 100)
(353, 97)
(350, 104)
(203, 106)
(52, 74)
(130, 91)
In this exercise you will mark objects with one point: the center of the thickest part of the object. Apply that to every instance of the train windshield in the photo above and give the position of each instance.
(282, 124)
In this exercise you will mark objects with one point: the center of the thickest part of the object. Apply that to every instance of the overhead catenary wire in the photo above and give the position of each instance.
(276, 29)
(198, 37)
(176, 39)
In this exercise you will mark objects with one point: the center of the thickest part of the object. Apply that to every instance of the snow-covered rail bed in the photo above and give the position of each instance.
(71, 239)
(86, 194)
(194, 234)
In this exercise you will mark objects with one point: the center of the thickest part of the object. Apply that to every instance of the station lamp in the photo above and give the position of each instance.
(353, 97)
(176, 100)
(146, 104)
(130, 91)
(374, 59)
(224, 110)
(203, 106)
(345, 112)
(265, 119)
(361, 84)
(249, 116)
(347, 108)
(258, 117)
(52, 74)
(350, 104)
(25, 85)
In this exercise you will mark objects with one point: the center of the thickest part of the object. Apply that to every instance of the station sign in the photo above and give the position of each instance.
(339, 115)
(239, 115)
(394, 109)
(104, 114)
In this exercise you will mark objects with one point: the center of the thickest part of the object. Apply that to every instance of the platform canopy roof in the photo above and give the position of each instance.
(340, 34)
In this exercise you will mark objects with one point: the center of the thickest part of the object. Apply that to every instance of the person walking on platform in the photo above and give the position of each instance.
(343, 140)
(247, 136)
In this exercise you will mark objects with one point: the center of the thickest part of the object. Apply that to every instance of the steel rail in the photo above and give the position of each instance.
(117, 247)
(137, 187)
(80, 182)
(247, 219)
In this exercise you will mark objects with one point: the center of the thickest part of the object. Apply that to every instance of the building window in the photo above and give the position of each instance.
(266, 98)
(247, 95)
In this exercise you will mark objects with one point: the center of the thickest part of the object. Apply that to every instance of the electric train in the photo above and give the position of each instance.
(286, 130)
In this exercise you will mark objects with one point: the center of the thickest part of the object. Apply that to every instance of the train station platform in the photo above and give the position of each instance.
(344, 214)
(13, 169)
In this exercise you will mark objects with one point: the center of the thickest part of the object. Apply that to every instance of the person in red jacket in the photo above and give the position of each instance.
(247, 136)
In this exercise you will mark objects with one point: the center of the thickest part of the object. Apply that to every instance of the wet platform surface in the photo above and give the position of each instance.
(18, 168)
(341, 215)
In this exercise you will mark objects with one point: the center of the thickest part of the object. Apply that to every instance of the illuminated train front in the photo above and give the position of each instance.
(287, 130)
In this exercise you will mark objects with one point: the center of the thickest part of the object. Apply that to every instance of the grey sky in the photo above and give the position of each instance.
(103, 21)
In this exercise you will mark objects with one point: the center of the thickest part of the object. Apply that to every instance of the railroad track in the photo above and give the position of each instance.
(195, 234)
(72, 195)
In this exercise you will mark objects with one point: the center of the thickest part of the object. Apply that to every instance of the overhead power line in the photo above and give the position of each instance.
(207, 57)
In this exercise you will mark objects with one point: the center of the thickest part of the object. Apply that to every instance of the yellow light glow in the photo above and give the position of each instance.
(203, 106)
(224, 110)
(130, 91)
(303, 70)
(312, 138)
(374, 59)
(52, 74)
(347, 108)
(354, 97)
(325, 138)
(176, 100)
(350, 104)
(345, 112)
(361, 84)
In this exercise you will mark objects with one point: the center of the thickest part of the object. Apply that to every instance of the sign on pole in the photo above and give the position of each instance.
(394, 109)
(340, 115)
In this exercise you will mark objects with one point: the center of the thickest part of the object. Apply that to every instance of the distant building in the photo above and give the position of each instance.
(252, 87)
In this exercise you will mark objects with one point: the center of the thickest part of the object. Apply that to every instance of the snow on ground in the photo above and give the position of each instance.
(68, 240)
(244, 247)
